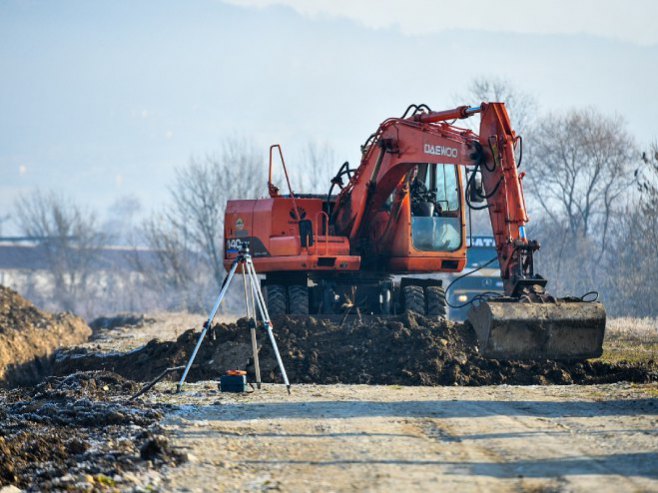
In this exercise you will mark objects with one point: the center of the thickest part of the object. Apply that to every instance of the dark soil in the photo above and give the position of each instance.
(406, 350)
(76, 433)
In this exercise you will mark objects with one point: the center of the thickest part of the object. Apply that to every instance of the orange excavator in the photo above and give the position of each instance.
(403, 213)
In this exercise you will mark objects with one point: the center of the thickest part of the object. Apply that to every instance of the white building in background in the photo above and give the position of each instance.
(114, 276)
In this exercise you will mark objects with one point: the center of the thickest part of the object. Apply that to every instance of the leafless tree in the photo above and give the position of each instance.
(579, 165)
(70, 239)
(630, 265)
(169, 267)
(632, 257)
(314, 169)
(121, 219)
(196, 215)
(4, 219)
(201, 190)
(569, 262)
(647, 180)
(185, 239)
(521, 106)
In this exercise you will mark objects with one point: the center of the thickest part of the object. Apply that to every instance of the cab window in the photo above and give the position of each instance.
(435, 217)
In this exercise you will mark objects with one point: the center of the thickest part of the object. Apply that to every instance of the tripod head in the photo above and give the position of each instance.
(243, 253)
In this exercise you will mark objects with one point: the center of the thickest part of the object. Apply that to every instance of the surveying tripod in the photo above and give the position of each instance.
(253, 302)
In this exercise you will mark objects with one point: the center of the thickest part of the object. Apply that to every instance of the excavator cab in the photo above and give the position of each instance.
(435, 208)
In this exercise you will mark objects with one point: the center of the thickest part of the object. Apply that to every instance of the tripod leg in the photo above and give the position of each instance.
(262, 308)
(208, 324)
(251, 315)
(253, 338)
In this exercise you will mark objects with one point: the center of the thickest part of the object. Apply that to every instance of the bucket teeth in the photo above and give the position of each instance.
(561, 330)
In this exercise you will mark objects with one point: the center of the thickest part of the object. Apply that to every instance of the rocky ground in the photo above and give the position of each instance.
(79, 433)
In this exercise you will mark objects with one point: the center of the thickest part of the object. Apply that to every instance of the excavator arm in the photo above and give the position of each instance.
(530, 323)
(505, 200)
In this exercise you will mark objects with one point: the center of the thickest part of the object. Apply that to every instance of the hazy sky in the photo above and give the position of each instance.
(104, 99)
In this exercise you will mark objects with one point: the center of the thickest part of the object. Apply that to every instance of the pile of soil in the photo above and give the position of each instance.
(76, 433)
(405, 350)
(29, 336)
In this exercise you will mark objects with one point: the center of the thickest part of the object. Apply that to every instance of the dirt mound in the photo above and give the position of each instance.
(76, 433)
(405, 350)
(28, 336)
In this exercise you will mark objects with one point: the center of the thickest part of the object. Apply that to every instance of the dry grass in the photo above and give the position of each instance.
(631, 339)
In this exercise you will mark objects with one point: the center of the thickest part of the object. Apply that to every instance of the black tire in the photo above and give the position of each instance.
(436, 301)
(414, 299)
(328, 300)
(276, 299)
(298, 297)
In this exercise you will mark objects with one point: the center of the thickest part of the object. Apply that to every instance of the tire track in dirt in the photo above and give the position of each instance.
(377, 438)
(542, 451)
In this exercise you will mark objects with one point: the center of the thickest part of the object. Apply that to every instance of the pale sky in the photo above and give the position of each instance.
(102, 100)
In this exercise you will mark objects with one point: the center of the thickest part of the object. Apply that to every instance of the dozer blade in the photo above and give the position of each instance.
(561, 330)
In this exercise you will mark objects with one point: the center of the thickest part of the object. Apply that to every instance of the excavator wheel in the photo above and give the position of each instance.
(276, 299)
(436, 301)
(298, 298)
(414, 299)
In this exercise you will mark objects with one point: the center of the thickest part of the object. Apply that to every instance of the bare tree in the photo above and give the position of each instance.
(630, 265)
(121, 219)
(4, 219)
(200, 193)
(169, 267)
(647, 180)
(632, 257)
(569, 262)
(185, 240)
(521, 106)
(315, 168)
(196, 215)
(579, 165)
(70, 239)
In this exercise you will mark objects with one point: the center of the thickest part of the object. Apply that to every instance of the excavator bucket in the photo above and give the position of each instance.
(510, 330)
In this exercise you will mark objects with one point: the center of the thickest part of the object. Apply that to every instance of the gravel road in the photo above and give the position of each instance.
(391, 438)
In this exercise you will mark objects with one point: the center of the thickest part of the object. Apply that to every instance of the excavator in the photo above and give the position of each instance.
(402, 215)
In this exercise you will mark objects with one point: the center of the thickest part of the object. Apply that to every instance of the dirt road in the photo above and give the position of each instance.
(404, 438)
(390, 438)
